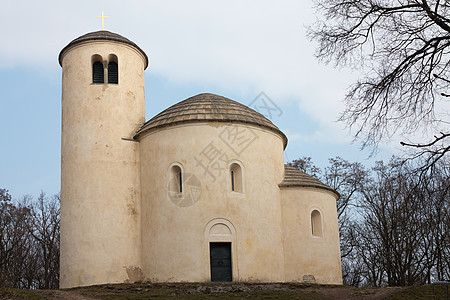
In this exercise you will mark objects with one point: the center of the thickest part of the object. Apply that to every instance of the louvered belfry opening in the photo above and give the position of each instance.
(113, 72)
(97, 72)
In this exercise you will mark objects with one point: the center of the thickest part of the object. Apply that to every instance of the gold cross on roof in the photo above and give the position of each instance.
(103, 20)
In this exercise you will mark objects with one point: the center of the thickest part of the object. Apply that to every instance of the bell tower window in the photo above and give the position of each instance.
(113, 69)
(98, 75)
(113, 72)
(105, 69)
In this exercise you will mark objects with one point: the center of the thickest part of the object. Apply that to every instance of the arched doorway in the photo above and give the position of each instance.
(220, 235)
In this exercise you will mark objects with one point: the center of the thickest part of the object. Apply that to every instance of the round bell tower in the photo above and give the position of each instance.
(103, 105)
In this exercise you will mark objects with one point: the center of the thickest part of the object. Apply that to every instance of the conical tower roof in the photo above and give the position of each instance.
(101, 35)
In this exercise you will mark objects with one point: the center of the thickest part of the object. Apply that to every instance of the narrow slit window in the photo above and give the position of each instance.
(98, 75)
(232, 180)
(113, 72)
(180, 181)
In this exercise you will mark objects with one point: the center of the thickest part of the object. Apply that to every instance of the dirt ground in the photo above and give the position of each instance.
(205, 291)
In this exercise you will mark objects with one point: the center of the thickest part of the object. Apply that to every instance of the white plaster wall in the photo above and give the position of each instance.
(175, 246)
(304, 253)
(100, 186)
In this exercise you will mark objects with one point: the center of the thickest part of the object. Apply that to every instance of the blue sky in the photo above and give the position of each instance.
(237, 49)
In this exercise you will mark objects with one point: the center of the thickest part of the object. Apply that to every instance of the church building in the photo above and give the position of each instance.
(198, 193)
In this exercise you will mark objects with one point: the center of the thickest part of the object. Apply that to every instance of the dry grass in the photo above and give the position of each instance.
(224, 291)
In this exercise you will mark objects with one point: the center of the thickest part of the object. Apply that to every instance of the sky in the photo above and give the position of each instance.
(248, 51)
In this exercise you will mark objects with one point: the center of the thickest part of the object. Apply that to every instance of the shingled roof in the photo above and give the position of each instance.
(293, 177)
(101, 35)
(208, 108)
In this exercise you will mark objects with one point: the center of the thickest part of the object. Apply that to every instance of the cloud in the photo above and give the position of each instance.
(232, 45)
(255, 42)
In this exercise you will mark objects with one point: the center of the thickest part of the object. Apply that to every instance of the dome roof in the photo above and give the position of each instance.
(209, 107)
(101, 35)
(293, 177)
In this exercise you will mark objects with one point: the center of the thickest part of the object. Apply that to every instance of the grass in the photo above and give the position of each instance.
(225, 291)
(194, 291)
(420, 292)
(229, 295)
(21, 294)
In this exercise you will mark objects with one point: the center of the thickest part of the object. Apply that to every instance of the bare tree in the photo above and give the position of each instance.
(393, 215)
(401, 233)
(305, 164)
(44, 227)
(403, 49)
(436, 194)
(14, 241)
(348, 179)
(393, 225)
(29, 241)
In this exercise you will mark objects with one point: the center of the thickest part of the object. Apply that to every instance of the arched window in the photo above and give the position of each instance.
(113, 72)
(176, 180)
(98, 75)
(113, 69)
(316, 223)
(236, 178)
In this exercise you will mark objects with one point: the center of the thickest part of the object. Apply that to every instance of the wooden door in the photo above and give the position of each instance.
(220, 255)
